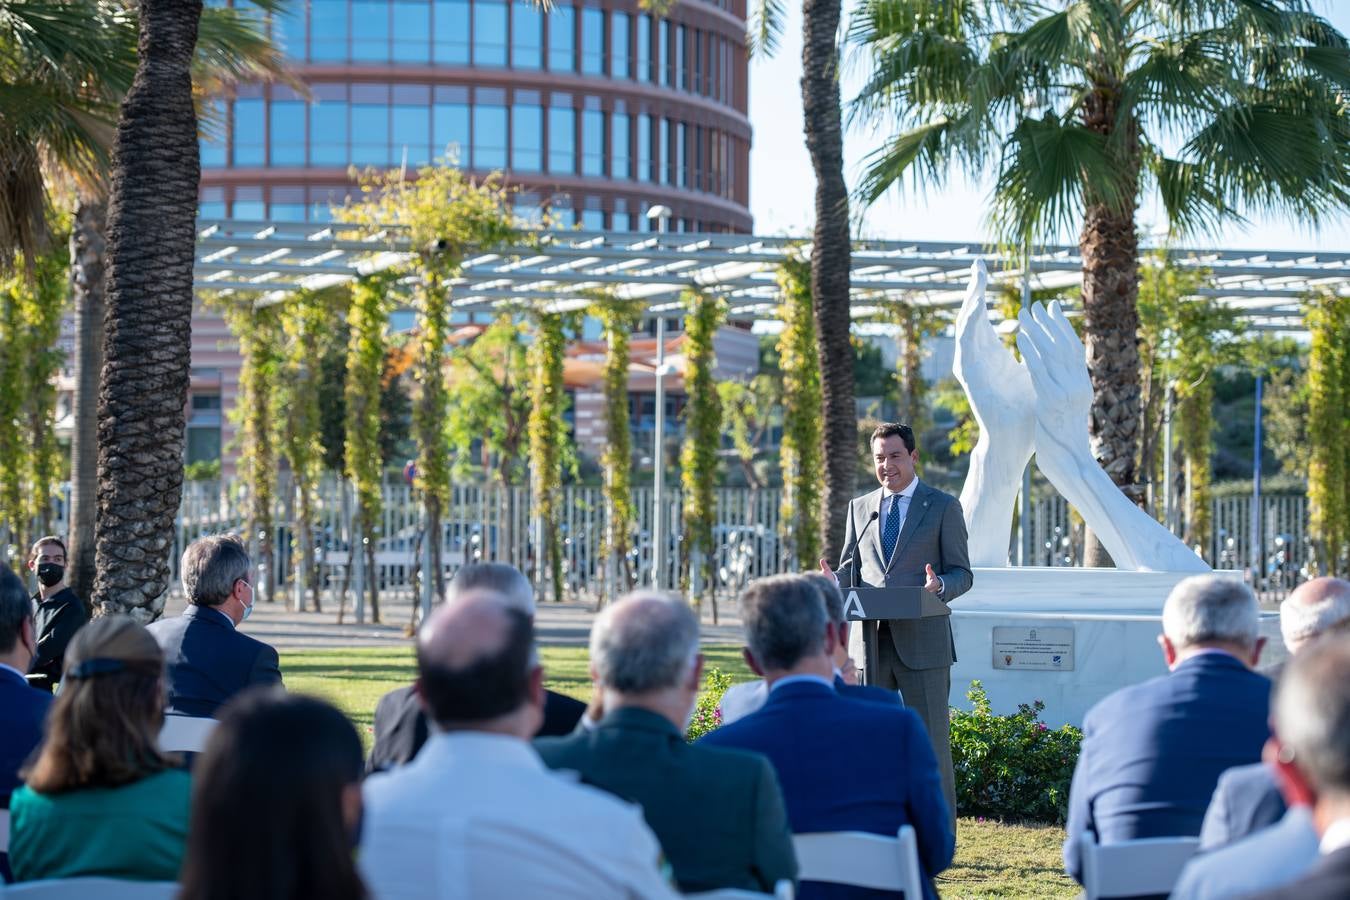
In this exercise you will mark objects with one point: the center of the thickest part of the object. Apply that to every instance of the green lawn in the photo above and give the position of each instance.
(992, 859)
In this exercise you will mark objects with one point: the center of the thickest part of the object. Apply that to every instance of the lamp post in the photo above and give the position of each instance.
(659, 214)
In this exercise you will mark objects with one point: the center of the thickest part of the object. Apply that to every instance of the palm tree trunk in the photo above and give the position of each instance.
(151, 240)
(88, 242)
(830, 261)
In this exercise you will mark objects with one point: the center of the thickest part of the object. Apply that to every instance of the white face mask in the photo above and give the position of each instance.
(248, 610)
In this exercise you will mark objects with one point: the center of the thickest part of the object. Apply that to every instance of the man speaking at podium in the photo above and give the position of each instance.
(906, 534)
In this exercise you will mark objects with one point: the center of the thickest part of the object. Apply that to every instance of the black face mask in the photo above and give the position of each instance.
(50, 573)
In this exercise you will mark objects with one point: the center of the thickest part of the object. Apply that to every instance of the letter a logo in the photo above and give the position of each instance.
(853, 608)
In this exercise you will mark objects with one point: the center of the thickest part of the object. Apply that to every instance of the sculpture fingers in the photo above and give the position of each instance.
(1041, 383)
(1061, 321)
(973, 327)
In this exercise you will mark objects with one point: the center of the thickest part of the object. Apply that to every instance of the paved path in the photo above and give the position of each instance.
(557, 624)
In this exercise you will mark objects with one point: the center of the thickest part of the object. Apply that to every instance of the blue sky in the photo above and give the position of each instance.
(782, 187)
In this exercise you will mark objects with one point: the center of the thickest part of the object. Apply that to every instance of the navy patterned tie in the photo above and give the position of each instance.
(891, 532)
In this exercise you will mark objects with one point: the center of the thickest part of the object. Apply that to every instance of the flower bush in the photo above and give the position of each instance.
(1013, 766)
(706, 715)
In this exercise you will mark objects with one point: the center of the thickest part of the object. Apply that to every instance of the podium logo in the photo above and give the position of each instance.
(853, 607)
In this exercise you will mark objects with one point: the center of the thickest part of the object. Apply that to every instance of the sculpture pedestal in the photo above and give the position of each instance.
(1068, 637)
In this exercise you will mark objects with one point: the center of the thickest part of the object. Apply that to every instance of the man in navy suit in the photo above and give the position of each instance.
(207, 659)
(1153, 752)
(887, 777)
(22, 707)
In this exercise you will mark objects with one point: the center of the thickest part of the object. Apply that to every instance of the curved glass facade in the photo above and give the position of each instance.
(597, 110)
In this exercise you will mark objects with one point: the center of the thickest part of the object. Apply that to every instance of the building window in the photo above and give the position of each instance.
(489, 33)
(644, 147)
(370, 30)
(644, 47)
(562, 136)
(593, 219)
(288, 205)
(619, 159)
(489, 130)
(661, 56)
(248, 204)
(212, 205)
(328, 30)
(527, 36)
(681, 170)
(681, 73)
(328, 126)
(527, 134)
(592, 140)
(450, 124)
(562, 39)
(370, 124)
(664, 164)
(618, 45)
(213, 140)
(451, 32)
(412, 25)
(412, 124)
(287, 134)
(248, 132)
(288, 30)
(592, 41)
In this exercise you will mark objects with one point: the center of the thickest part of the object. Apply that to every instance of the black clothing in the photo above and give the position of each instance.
(55, 621)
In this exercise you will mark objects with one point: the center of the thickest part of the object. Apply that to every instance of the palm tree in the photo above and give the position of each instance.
(1085, 108)
(831, 261)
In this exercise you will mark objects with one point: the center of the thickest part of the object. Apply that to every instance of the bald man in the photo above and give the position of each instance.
(477, 814)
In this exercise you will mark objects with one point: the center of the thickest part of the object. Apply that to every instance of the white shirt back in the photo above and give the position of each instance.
(479, 815)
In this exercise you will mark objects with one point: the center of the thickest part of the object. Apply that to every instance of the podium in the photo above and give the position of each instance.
(870, 605)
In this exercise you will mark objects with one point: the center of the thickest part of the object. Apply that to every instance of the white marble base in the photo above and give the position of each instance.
(1116, 617)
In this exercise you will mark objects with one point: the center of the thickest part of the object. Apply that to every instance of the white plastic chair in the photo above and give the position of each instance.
(91, 888)
(185, 734)
(782, 890)
(1131, 868)
(861, 859)
(4, 834)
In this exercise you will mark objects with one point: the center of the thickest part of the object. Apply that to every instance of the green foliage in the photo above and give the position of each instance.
(802, 447)
(1011, 767)
(951, 396)
(258, 330)
(749, 408)
(202, 470)
(916, 326)
(1328, 319)
(707, 717)
(702, 432)
(618, 319)
(489, 383)
(549, 440)
(1284, 404)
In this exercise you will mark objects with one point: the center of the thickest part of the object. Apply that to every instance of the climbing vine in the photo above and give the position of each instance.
(915, 326)
(801, 447)
(702, 439)
(549, 443)
(618, 319)
(1328, 383)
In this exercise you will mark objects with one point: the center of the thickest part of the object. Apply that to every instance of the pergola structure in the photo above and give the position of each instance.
(563, 269)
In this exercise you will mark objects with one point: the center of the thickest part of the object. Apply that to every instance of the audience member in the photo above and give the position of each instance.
(285, 771)
(718, 813)
(1259, 843)
(1312, 733)
(476, 813)
(209, 660)
(1152, 752)
(22, 709)
(844, 764)
(57, 612)
(742, 699)
(101, 799)
(401, 722)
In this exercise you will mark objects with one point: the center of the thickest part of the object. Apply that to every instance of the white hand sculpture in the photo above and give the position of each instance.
(1001, 397)
(1055, 360)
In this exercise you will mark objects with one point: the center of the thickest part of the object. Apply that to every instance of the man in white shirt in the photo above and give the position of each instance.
(1312, 734)
(476, 813)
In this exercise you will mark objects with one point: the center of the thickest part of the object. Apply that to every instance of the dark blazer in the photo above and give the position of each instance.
(1246, 800)
(867, 692)
(55, 621)
(23, 709)
(401, 725)
(1328, 880)
(886, 777)
(208, 661)
(1153, 752)
(718, 813)
(934, 533)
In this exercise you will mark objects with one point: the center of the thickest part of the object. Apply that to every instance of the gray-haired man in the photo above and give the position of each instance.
(718, 813)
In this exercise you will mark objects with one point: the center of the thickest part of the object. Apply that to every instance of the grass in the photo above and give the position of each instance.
(993, 859)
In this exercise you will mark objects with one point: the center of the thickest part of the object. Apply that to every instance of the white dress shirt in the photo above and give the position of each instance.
(904, 497)
(1336, 837)
(478, 815)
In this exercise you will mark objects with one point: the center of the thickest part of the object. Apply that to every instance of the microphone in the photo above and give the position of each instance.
(852, 560)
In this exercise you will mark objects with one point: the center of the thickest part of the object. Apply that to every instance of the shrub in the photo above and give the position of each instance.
(706, 715)
(1014, 766)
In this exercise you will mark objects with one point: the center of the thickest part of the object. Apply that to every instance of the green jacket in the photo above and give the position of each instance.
(718, 813)
(136, 831)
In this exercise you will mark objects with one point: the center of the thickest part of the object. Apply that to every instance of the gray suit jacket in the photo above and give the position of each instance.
(1245, 800)
(934, 532)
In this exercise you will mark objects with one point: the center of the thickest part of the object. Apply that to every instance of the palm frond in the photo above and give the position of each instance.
(1192, 199)
(920, 148)
(765, 27)
(233, 46)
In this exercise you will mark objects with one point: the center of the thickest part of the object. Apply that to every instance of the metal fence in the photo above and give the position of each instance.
(492, 522)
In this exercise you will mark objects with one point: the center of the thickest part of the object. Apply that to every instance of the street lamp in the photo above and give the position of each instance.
(660, 214)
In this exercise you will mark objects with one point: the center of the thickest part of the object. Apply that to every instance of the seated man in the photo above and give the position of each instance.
(844, 764)
(476, 813)
(400, 720)
(23, 708)
(1312, 761)
(1152, 752)
(207, 659)
(742, 699)
(718, 813)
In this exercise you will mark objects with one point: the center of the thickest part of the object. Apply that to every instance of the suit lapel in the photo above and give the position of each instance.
(918, 507)
(873, 541)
